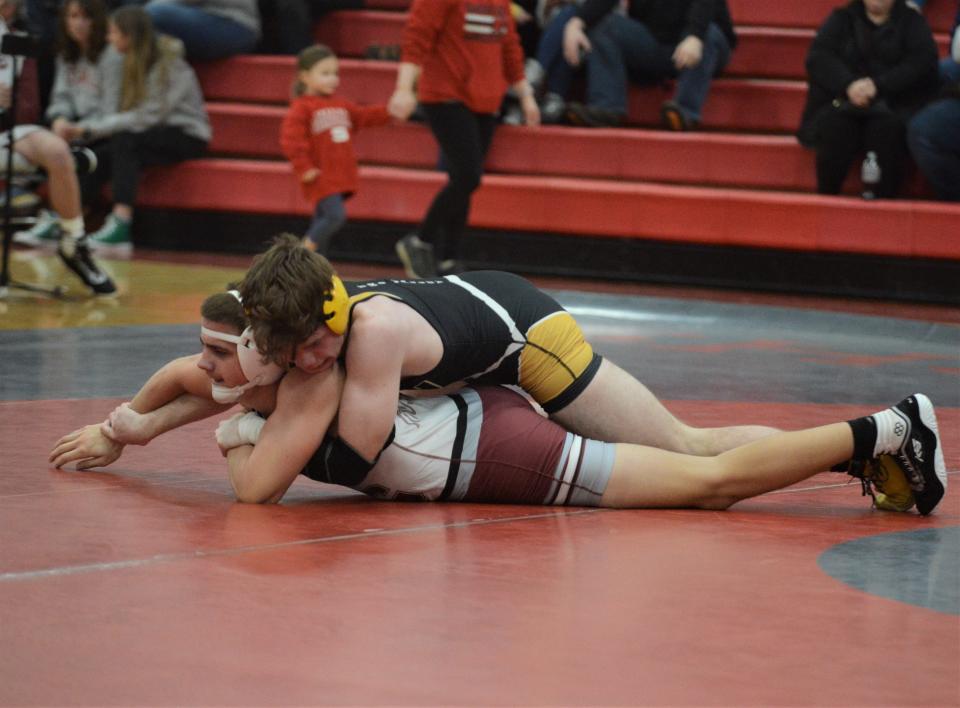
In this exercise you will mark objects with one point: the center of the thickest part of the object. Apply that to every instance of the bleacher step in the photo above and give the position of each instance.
(757, 105)
(585, 207)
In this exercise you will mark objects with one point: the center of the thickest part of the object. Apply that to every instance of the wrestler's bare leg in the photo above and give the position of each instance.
(648, 477)
(616, 407)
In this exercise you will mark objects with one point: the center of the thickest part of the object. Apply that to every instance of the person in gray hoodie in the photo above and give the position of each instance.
(152, 114)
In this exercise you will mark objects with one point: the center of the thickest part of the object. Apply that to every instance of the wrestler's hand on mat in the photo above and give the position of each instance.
(239, 429)
(88, 447)
(127, 426)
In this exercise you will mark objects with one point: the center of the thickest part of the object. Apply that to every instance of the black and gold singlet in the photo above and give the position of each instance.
(496, 328)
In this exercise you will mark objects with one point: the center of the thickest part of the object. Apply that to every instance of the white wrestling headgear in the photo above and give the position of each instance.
(257, 371)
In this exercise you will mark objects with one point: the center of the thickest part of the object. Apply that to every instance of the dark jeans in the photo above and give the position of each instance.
(550, 53)
(934, 138)
(329, 216)
(121, 157)
(204, 35)
(625, 48)
(841, 136)
(464, 138)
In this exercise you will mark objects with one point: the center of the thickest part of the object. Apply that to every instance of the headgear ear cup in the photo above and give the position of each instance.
(257, 372)
(336, 307)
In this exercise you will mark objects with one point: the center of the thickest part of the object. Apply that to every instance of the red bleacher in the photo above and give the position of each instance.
(741, 181)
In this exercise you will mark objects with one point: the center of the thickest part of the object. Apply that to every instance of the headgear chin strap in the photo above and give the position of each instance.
(257, 371)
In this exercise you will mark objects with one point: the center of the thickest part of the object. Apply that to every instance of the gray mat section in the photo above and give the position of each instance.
(918, 567)
(681, 349)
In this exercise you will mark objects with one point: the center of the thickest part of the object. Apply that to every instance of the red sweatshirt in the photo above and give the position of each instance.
(316, 134)
(468, 51)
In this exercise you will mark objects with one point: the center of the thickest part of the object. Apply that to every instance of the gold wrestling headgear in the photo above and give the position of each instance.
(336, 307)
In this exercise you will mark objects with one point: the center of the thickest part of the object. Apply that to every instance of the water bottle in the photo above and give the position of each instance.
(870, 175)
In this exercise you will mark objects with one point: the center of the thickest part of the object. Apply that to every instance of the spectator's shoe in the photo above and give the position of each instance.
(673, 117)
(383, 52)
(75, 254)
(884, 480)
(46, 232)
(593, 117)
(512, 115)
(553, 109)
(920, 455)
(84, 159)
(114, 236)
(534, 73)
(417, 257)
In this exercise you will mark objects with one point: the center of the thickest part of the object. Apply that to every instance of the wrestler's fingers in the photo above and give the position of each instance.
(71, 455)
(62, 447)
(92, 462)
(69, 437)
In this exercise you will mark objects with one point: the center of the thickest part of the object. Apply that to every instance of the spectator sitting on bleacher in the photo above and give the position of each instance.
(77, 87)
(209, 29)
(38, 146)
(316, 138)
(153, 114)
(872, 64)
(690, 40)
(934, 132)
(548, 71)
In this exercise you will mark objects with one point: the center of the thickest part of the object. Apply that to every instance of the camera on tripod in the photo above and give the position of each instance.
(20, 44)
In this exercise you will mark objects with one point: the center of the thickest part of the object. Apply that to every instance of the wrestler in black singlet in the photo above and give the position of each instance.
(496, 328)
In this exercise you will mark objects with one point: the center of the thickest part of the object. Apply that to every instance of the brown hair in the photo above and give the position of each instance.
(283, 296)
(146, 49)
(305, 61)
(224, 308)
(67, 47)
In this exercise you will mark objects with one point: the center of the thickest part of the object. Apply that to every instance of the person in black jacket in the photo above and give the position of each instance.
(872, 64)
(689, 40)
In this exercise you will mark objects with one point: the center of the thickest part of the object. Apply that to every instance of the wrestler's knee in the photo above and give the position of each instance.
(713, 487)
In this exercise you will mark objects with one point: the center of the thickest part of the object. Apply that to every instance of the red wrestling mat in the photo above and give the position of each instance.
(145, 584)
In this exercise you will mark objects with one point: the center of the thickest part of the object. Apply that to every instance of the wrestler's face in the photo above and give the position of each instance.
(319, 351)
(218, 358)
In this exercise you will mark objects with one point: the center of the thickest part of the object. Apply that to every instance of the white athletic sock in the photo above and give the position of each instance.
(892, 426)
(72, 228)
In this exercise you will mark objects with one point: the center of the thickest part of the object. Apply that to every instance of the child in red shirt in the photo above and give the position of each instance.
(315, 137)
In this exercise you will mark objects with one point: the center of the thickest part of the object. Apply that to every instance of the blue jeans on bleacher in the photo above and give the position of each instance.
(204, 35)
(934, 140)
(625, 48)
(550, 53)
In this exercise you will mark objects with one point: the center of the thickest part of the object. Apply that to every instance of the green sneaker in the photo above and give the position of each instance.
(114, 235)
(46, 232)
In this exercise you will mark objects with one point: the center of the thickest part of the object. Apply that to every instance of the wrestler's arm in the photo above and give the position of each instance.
(306, 406)
(182, 385)
(371, 391)
(101, 444)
